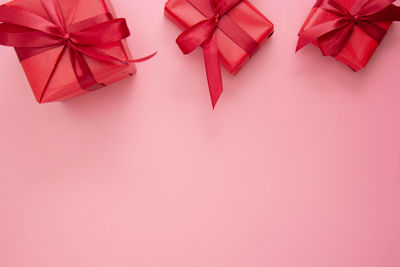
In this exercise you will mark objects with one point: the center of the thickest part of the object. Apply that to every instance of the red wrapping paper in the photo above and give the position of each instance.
(233, 58)
(63, 84)
(359, 48)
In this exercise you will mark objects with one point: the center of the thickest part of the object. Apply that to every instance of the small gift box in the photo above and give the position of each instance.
(229, 31)
(66, 48)
(348, 30)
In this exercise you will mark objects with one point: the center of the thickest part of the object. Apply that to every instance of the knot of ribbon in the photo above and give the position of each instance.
(32, 34)
(204, 34)
(333, 35)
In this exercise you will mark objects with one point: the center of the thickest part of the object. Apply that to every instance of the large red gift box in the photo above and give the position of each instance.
(50, 73)
(244, 14)
(359, 47)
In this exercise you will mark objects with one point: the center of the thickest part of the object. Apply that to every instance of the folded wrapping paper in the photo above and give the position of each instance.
(348, 30)
(67, 48)
(229, 31)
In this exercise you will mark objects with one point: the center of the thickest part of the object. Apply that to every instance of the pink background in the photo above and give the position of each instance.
(298, 166)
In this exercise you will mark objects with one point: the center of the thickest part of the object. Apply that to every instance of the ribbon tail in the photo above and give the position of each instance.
(213, 68)
(328, 34)
(301, 43)
(97, 54)
(82, 71)
(315, 32)
(143, 58)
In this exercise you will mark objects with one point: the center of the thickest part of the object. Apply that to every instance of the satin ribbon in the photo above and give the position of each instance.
(333, 35)
(32, 34)
(204, 34)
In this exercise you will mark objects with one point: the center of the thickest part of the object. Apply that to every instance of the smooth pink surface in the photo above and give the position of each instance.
(298, 166)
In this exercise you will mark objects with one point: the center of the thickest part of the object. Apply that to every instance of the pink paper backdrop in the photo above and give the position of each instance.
(298, 166)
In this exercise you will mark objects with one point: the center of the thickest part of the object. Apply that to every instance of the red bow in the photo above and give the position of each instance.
(204, 34)
(80, 39)
(333, 35)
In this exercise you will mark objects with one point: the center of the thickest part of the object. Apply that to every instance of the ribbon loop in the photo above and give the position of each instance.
(23, 18)
(196, 35)
(107, 32)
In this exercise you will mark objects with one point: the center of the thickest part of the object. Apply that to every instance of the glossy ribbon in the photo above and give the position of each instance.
(32, 34)
(334, 34)
(204, 34)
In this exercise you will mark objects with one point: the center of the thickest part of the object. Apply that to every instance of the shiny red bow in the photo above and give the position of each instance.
(204, 34)
(31, 34)
(333, 35)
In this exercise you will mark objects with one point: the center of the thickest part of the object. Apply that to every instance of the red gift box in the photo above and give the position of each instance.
(245, 17)
(360, 30)
(50, 71)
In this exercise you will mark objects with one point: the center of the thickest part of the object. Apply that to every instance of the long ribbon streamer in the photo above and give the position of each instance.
(204, 34)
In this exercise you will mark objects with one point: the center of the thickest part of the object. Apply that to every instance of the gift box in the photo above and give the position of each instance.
(348, 30)
(57, 71)
(240, 17)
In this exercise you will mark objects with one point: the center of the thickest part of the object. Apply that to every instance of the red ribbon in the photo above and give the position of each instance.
(203, 34)
(334, 34)
(32, 34)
